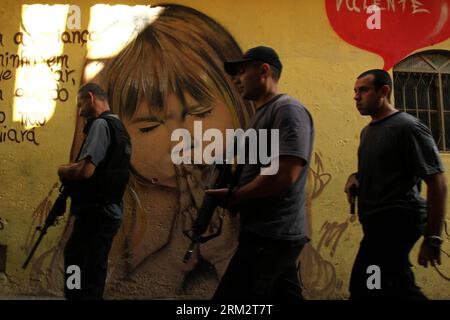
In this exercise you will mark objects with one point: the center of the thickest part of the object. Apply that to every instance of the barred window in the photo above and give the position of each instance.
(422, 88)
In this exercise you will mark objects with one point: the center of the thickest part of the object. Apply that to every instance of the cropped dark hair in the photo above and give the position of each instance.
(381, 78)
(95, 89)
(276, 73)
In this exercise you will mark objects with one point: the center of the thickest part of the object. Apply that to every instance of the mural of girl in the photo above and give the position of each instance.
(169, 76)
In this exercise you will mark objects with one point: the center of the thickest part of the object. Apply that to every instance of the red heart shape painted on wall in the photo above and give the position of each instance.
(403, 25)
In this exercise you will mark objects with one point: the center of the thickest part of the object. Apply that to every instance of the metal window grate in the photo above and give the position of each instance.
(422, 88)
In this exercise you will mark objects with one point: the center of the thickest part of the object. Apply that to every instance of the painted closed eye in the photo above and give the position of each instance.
(149, 127)
(200, 111)
(204, 114)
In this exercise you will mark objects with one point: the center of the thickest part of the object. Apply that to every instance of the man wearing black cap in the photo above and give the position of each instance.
(271, 207)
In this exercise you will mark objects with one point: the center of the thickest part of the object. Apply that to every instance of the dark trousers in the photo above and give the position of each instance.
(88, 248)
(262, 269)
(387, 242)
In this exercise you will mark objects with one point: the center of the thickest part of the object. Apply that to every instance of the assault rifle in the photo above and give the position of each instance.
(58, 209)
(226, 178)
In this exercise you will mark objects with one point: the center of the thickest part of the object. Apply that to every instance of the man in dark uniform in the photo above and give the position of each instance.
(96, 183)
(271, 206)
(396, 152)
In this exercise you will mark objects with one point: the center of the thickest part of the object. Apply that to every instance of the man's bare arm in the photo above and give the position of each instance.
(436, 200)
(80, 170)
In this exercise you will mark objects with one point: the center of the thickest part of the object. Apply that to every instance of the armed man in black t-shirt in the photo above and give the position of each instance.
(96, 183)
(396, 152)
(271, 206)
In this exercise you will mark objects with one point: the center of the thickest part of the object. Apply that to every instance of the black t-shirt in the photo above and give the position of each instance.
(393, 156)
(282, 217)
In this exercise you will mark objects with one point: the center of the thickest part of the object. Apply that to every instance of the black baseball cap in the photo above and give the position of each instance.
(261, 53)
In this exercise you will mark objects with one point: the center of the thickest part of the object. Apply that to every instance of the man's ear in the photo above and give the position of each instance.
(91, 97)
(386, 91)
(265, 69)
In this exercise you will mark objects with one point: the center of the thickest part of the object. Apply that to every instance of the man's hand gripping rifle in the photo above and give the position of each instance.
(226, 178)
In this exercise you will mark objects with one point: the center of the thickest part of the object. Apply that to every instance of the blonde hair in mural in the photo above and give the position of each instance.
(179, 55)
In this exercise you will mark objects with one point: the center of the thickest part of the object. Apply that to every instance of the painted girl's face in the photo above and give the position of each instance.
(150, 135)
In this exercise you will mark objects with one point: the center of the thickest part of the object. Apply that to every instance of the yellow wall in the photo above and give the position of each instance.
(319, 70)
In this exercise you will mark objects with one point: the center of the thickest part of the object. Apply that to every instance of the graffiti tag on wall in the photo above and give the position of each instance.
(3, 223)
(404, 26)
(318, 273)
(17, 134)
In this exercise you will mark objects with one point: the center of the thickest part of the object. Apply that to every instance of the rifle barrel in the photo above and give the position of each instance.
(41, 236)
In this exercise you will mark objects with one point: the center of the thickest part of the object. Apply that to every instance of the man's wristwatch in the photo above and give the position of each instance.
(434, 241)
